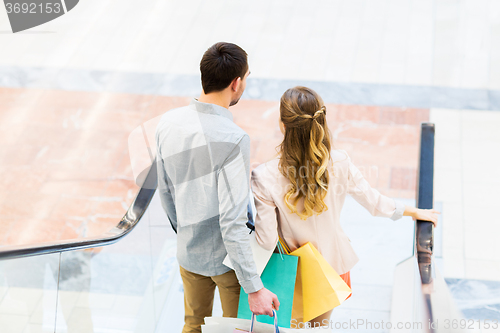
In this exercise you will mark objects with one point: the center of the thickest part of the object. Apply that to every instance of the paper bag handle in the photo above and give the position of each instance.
(283, 245)
(276, 328)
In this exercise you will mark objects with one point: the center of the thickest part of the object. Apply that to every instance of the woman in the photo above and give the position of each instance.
(300, 193)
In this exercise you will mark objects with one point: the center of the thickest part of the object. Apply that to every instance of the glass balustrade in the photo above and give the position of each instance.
(123, 287)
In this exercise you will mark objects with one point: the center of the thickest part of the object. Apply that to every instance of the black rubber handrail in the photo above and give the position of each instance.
(425, 200)
(126, 224)
(438, 300)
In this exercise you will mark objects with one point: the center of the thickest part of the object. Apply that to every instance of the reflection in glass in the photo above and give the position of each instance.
(108, 288)
(28, 293)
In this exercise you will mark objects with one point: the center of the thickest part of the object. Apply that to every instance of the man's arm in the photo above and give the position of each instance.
(233, 189)
(233, 192)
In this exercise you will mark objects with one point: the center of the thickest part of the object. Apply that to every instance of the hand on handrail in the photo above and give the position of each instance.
(430, 215)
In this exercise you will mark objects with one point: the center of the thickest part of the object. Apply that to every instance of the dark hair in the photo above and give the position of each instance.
(220, 65)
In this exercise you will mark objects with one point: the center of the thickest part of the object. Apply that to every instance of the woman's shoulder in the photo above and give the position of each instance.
(339, 162)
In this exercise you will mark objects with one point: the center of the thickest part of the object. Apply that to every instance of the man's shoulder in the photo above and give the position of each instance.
(240, 133)
(175, 113)
(174, 119)
(227, 131)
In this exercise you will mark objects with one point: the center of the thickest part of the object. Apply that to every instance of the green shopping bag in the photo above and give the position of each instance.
(279, 277)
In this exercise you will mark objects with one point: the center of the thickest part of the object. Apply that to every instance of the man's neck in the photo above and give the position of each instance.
(217, 98)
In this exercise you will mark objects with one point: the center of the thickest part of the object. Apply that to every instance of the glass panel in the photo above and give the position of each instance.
(169, 293)
(164, 249)
(168, 289)
(28, 293)
(109, 289)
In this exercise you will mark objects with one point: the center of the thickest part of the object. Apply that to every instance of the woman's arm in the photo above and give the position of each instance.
(380, 205)
(370, 198)
(266, 223)
(422, 214)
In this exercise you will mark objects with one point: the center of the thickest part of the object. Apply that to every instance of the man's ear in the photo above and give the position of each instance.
(236, 84)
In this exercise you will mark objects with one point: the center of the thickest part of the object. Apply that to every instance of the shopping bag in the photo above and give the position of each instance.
(261, 256)
(279, 277)
(237, 325)
(252, 324)
(318, 288)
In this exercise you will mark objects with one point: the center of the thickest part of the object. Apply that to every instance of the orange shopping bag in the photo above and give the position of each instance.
(318, 287)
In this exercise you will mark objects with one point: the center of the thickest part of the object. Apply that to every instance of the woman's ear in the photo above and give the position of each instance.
(282, 127)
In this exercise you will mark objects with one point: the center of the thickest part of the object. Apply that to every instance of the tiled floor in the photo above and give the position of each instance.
(476, 298)
(65, 163)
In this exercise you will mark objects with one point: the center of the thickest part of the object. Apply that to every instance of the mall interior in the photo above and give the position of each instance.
(85, 246)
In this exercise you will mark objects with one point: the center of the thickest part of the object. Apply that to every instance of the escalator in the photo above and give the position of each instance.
(112, 283)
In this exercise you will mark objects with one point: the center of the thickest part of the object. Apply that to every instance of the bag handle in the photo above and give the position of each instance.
(276, 328)
(283, 245)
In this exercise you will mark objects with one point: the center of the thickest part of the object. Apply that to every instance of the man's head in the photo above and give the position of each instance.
(224, 66)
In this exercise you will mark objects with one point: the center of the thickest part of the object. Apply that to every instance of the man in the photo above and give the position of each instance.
(203, 169)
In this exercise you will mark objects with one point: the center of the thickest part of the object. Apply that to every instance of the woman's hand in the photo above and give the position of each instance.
(426, 215)
(422, 214)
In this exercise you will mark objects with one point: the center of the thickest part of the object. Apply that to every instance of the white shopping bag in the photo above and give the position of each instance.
(228, 325)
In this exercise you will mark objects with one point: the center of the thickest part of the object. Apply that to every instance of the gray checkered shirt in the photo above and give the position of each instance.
(203, 168)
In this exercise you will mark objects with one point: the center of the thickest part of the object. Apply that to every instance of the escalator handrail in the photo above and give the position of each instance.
(438, 301)
(424, 230)
(126, 224)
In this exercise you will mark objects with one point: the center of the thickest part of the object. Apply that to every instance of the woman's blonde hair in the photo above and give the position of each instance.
(306, 145)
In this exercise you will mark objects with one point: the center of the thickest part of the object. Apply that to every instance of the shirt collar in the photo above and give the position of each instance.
(211, 109)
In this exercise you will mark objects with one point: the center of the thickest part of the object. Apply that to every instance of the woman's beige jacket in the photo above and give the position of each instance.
(323, 231)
